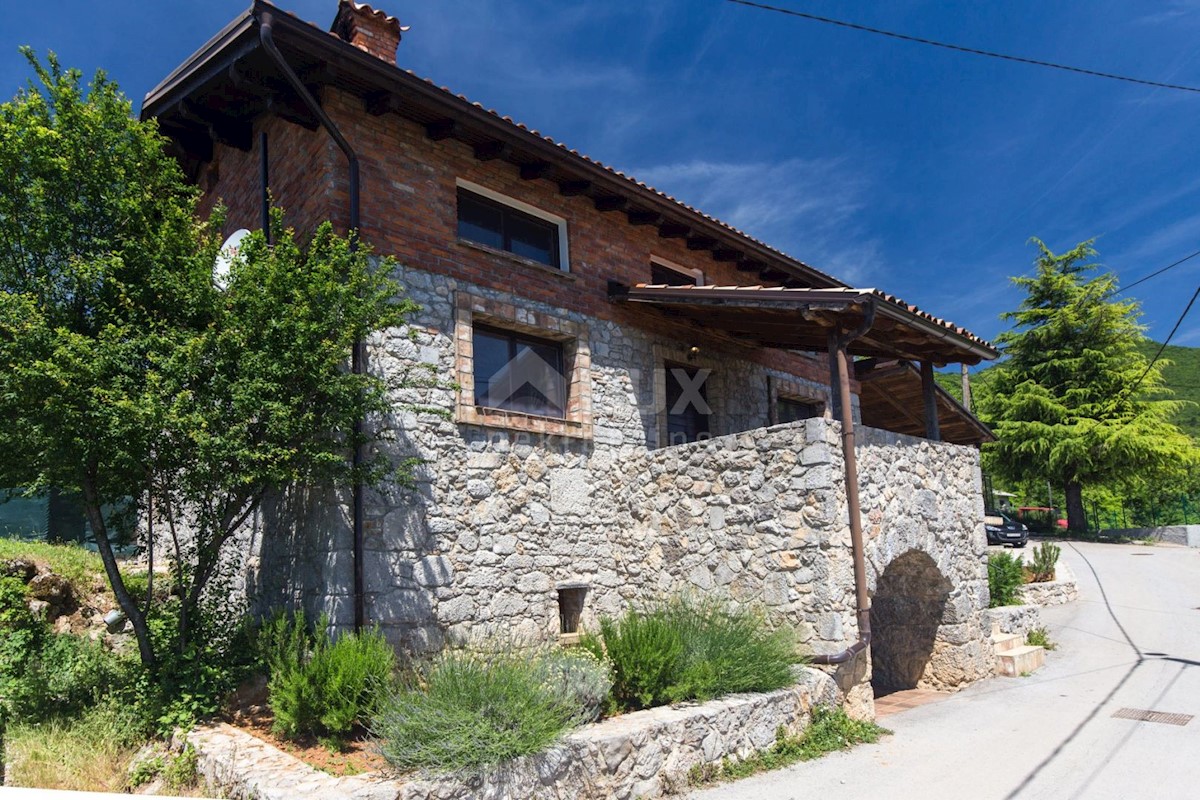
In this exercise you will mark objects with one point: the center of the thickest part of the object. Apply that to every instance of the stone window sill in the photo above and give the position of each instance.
(520, 421)
(525, 262)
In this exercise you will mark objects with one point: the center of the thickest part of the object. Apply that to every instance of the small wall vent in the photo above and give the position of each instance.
(570, 608)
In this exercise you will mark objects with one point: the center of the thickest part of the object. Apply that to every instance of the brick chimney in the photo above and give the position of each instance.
(368, 29)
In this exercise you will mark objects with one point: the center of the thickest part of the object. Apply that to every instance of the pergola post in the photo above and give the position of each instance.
(932, 428)
(835, 395)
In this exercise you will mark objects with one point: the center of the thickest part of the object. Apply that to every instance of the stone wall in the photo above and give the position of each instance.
(1014, 619)
(922, 507)
(1187, 535)
(645, 754)
(500, 520)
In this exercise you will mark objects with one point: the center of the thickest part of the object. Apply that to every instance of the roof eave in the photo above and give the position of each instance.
(237, 40)
(199, 66)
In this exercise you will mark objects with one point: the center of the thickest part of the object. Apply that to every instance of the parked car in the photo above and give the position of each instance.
(1003, 529)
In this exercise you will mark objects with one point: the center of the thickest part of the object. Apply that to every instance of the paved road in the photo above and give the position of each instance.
(1131, 640)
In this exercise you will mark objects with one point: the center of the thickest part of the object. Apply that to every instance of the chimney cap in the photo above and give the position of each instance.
(349, 7)
(375, 32)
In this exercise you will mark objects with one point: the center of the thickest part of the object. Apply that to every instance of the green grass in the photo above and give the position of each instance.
(91, 753)
(831, 730)
(79, 566)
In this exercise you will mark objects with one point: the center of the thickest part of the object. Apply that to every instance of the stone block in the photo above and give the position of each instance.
(434, 571)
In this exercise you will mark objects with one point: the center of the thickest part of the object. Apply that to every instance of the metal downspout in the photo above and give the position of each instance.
(357, 359)
(862, 596)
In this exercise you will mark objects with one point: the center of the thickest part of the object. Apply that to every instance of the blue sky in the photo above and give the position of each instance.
(889, 164)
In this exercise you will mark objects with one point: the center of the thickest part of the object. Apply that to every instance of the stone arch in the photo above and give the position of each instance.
(908, 610)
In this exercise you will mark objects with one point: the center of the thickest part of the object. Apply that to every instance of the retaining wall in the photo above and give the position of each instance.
(1188, 535)
(645, 754)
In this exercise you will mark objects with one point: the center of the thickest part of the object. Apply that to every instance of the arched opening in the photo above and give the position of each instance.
(906, 610)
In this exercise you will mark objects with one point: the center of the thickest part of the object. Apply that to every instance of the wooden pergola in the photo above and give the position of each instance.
(864, 323)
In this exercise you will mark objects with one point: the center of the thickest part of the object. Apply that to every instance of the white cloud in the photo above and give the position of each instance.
(809, 208)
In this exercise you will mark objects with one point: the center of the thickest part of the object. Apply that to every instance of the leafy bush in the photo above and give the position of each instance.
(65, 677)
(193, 677)
(321, 686)
(1005, 575)
(691, 650)
(1045, 556)
(1040, 637)
(469, 710)
(645, 651)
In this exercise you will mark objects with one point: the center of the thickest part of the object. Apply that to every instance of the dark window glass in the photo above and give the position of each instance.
(666, 276)
(688, 411)
(519, 373)
(792, 410)
(496, 225)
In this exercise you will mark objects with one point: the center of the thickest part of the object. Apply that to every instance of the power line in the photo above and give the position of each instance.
(961, 49)
(1156, 273)
(1163, 346)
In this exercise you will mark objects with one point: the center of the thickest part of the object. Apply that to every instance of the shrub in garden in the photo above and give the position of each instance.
(577, 674)
(685, 649)
(1005, 575)
(1045, 556)
(1040, 637)
(644, 650)
(320, 686)
(468, 710)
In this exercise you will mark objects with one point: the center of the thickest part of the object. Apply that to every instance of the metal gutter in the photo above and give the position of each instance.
(266, 20)
(850, 458)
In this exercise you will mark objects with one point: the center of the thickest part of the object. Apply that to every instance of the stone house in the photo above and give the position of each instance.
(646, 400)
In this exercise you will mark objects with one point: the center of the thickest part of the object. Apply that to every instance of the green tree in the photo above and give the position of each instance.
(1072, 401)
(125, 373)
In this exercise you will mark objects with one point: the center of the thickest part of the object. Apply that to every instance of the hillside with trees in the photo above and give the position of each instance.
(1181, 376)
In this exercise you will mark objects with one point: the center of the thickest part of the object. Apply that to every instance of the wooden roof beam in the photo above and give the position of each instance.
(490, 151)
(726, 255)
(574, 188)
(379, 103)
(701, 243)
(610, 203)
(442, 129)
(673, 230)
(644, 217)
(237, 135)
(535, 170)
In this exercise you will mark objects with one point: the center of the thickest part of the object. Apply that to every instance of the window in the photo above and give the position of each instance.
(688, 411)
(663, 273)
(521, 369)
(791, 410)
(516, 372)
(490, 222)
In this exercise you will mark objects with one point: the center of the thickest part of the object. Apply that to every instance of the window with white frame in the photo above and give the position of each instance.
(665, 273)
(501, 223)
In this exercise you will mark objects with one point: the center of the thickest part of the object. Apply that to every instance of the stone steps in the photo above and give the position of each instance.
(1003, 642)
(1022, 660)
(1014, 657)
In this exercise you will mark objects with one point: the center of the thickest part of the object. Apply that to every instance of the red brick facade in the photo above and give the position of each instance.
(408, 201)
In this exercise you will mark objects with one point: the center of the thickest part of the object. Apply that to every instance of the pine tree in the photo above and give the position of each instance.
(1072, 403)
